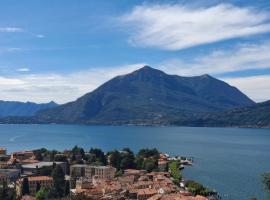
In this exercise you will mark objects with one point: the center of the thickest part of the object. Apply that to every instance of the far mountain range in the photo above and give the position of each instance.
(151, 97)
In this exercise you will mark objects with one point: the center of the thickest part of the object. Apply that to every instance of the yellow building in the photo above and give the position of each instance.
(34, 181)
(3, 151)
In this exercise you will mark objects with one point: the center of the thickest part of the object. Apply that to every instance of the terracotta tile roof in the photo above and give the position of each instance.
(40, 178)
(3, 175)
(147, 191)
(176, 196)
(27, 197)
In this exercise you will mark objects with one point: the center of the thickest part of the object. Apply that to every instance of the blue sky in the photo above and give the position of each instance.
(59, 50)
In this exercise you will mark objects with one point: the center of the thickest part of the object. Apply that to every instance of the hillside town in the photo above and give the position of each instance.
(77, 174)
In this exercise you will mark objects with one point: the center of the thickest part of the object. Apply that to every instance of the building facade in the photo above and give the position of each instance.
(3, 151)
(34, 183)
(102, 172)
(33, 168)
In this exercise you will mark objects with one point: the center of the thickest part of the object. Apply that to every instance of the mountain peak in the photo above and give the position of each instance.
(206, 76)
(148, 70)
(147, 67)
(148, 94)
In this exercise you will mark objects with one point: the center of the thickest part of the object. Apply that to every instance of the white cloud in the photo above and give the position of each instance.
(58, 87)
(256, 87)
(68, 87)
(40, 35)
(11, 29)
(4, 82)
(19, 30)
(9, 49)
(23, 69)
(174, 26)
(243, 57)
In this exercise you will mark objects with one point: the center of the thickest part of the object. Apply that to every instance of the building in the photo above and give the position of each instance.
(77, 171)
(34, 182)
(3, 165)
(34, 167)
(162, 165)
(84, 183)
(99, 173)
(102, 172)
(22, 155)
(3, 151)
(89, 171)
(12, 174)
(176, 196)
(146, 193)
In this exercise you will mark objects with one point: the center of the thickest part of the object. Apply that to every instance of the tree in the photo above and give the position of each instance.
(128, 159)
(38, 155)
(67, 188)
(42, 194)
(139, 162)
(52, 154)
(149, 164)
(266, 181)
(198, 189)
(175, 171)
(4, 189)
(98, 155)
(38, 186)
(60, 158)
(78, 151)
(58, 181)
(7, 193)
(115, 159)
(147, 153)
(25, 186)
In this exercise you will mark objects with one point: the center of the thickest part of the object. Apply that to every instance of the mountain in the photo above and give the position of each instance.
(257, 115)
(148, 96)
(16, 108)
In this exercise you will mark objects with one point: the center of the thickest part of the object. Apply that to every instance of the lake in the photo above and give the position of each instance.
(230, 160)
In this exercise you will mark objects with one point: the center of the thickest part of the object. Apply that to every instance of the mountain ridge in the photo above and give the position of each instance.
(148, 94)
(17, 108)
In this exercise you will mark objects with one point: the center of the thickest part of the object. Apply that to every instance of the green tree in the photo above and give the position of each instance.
(147, 153)
(78, 151)
(25, 186)
(175, 172)
(115, 159)
(98, 155)
(42, 194)
(38, 187)
(266, 181)
(58, 182)
(197, 188)
(60, 158)
(150, 164)
(139, 162)
(52, 154)
(127, 159)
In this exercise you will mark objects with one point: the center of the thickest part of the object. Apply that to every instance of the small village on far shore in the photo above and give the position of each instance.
(79, 175)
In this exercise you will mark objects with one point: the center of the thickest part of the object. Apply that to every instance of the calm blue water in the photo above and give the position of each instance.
(229, 160)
